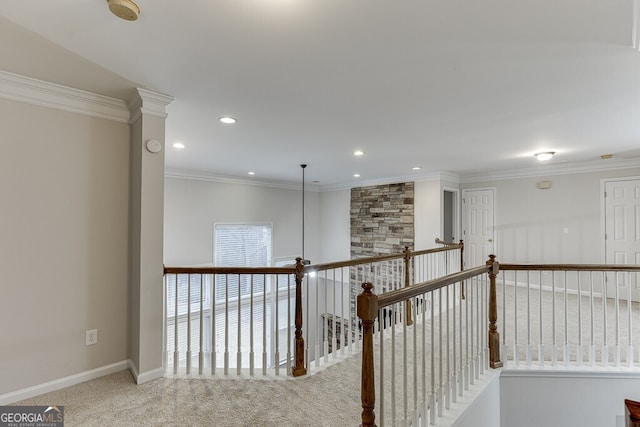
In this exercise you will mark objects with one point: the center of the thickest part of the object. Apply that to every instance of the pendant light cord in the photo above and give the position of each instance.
(303, 167)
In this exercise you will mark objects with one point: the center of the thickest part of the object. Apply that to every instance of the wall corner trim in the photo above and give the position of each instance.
(145, 377)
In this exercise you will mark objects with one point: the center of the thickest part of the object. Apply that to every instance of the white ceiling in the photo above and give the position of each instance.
(460, 86)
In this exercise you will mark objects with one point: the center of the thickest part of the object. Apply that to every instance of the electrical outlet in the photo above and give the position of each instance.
(91, 337)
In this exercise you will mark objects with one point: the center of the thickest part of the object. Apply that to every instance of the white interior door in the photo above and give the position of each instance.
(478, 224)
(622, 233)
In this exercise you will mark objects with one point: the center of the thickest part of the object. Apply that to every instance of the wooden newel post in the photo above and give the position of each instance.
(494, 336)
(367, 306)
(298, 366)
(407, 282)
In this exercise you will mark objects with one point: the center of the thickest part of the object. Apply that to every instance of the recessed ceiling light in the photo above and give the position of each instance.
(227, 120)
(358, 153)
(251, 173)
(416, 168)
(544, 155)
(606, 156)
(356, 175)
(178, 145)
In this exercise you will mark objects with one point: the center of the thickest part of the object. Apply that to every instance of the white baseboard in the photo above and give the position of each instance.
(36, 390)
(145, 376)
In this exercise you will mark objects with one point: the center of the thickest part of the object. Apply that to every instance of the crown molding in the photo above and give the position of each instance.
(19, 88)
(560, 169)
(428, 176)
(148, 103)
(229, 179)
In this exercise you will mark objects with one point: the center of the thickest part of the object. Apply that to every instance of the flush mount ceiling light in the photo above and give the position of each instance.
(356, 175)
(178, 145)
(416, 168)
(358, 153)
(124, 9)
(227, 120)
(544, 155)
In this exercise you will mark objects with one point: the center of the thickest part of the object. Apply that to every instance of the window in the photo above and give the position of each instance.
(241, 245)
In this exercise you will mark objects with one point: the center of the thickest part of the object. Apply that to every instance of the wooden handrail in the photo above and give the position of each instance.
(570, 267)
(443, 242)
(307, 268)
(229, 270)
(351, 262)
(379, 258)
(402, 294)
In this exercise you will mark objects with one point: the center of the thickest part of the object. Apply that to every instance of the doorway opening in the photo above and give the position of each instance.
(451, 215)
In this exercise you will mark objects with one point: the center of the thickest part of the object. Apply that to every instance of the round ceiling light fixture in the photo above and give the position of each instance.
(544, 155)
(227, 120)
(124, 9)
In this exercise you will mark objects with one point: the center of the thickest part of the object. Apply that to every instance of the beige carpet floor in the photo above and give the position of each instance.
(115, 400)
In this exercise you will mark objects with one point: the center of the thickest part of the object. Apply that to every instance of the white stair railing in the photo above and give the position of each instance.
(569, 315)
(229, 323)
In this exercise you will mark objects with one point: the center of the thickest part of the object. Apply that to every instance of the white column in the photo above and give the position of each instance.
(146, 216)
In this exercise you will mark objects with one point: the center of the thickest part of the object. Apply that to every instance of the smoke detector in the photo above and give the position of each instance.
(124, 9)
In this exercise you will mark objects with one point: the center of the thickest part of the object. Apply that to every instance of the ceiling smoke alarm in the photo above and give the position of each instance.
(124, 9)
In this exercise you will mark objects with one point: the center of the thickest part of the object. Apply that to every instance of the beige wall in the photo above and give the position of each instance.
(192, 206)
(558, 225)
(64, 188)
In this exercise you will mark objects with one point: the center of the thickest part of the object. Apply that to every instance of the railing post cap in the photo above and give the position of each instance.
(368, 287)
(367, 303)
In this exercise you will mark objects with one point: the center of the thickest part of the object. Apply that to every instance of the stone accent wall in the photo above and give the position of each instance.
(382, 219)
(382, 223)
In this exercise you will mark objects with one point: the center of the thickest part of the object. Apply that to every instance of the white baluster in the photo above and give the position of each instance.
(189, 325)
(605, 345)
(516, 345)
(226, 325)
(276, 331)
(176, 351)
(264, 325)
(201, 337)
(214, 341)
(629, 327)
(617, 320)
(541, 344)
(580, 347)
(566, 323)
(251, 330)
